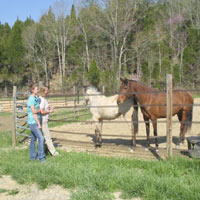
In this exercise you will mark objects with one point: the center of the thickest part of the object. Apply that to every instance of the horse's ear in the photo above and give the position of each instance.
(122, 79)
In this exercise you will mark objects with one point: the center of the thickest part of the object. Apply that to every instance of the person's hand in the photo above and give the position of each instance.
(39, 126)
(51, 109)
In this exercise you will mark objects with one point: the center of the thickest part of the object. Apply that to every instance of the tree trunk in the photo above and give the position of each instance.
(46, 73)
(59, 63)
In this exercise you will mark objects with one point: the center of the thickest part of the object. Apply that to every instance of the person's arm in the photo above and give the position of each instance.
(42, 108)
(43, 112)
(34, 111)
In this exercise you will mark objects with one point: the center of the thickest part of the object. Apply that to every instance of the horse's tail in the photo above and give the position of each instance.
(189, 120)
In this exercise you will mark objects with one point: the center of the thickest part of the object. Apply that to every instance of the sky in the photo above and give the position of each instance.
(11, 10)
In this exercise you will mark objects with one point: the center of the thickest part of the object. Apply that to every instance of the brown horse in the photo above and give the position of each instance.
(151, 102)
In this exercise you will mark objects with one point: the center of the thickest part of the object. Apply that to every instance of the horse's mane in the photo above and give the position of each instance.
(144, 85)
(92, 90)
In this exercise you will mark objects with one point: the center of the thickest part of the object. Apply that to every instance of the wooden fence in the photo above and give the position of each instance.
(60, 101)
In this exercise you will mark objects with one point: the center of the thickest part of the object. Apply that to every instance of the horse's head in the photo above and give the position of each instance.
(124, 92)
(90, 93)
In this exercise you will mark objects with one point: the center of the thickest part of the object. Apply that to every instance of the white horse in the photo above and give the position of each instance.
(106, 108)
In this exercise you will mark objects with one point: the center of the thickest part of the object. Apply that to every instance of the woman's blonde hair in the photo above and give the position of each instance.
(42, 90)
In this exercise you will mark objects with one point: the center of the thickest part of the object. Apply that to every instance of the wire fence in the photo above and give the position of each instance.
(73, 103)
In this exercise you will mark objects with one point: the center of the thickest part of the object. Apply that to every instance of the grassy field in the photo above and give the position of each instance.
(68, 116)
(91, 177)
(3, 114)
(97, 177)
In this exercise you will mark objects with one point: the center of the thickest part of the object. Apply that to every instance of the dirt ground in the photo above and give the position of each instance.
(116, 134)
(15, 191)
(6, 123)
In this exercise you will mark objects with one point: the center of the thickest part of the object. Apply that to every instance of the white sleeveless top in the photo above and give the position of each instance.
(44, 105)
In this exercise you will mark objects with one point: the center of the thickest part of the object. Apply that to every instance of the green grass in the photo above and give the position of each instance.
(5, 139)
(3, 190)
(5, 114)
(9, 192)
(13, 192)
(68, 117)
(98, 177)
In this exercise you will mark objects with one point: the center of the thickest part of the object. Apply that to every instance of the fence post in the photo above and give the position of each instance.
(40, 84)
(169, 114)
(75, 111)
(14, 116)
(103, 89)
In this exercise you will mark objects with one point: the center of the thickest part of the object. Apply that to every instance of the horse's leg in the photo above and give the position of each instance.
(133, 140)
(134, 124)
(180, 118)
(100, 132)
(97, 131)
(134, 127)
(96, 137)
(184, 126)
(146, 119)
(154, 122)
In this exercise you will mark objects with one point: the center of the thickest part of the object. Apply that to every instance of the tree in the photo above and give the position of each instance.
(4, 70)
(113, 21)
(59, 26)
(16, 54)
(93, 74)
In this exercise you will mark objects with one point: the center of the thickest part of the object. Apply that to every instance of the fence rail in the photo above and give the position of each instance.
(60, 101)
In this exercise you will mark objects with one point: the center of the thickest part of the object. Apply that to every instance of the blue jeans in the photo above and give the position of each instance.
(36, 133)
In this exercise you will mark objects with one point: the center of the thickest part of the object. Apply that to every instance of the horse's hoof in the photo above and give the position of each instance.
(132, 149)
(97, 145)
(146, 148)
(156, 150)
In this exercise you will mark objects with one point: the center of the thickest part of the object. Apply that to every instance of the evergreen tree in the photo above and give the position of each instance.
(94, 74)
(4, 67)
(16, 53)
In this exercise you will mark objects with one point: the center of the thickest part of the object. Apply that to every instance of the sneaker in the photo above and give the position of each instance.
(56, 154)
(43, 161)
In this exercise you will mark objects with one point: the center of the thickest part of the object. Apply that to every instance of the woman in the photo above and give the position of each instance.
(35, 126)
(45, 110)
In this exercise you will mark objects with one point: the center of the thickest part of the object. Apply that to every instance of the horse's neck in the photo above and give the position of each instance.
(139, 87)
(103, 100)
(93, 98)
(115, 97)
(110, 100)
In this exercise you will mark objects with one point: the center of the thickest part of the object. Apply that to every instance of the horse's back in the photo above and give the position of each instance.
(105, 108)
(182, 97)
(179, 97)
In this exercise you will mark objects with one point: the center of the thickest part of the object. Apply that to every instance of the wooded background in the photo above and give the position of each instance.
(99, 41)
